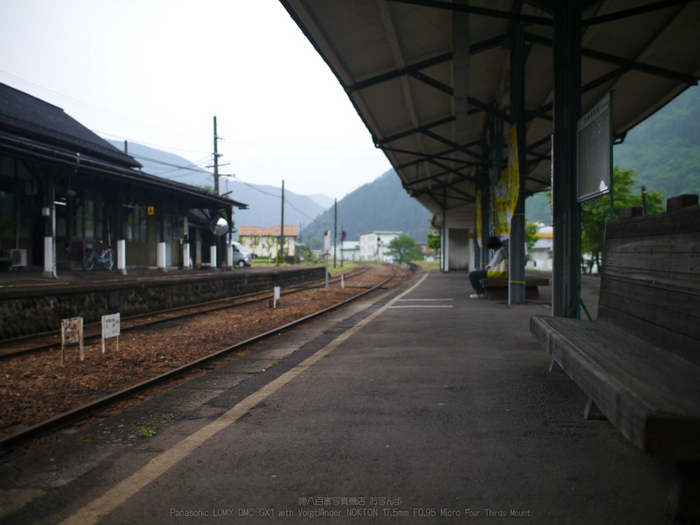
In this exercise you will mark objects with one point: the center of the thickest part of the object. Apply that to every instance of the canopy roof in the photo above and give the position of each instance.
(396, 61)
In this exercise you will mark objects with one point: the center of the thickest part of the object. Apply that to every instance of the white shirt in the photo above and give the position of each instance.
(500, 254)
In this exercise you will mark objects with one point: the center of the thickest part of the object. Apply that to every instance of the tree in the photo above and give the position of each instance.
(531, 229)
(434, 239)
(404, 248)
(595, 213)
(269, 242)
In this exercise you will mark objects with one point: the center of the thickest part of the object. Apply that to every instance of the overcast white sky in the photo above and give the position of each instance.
(157, 72)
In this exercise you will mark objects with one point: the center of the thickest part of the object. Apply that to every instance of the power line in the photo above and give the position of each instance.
(168, 164)
(142, 143)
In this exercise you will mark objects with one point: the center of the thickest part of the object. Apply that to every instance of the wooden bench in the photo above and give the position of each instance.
(497, 289)
(639, 362)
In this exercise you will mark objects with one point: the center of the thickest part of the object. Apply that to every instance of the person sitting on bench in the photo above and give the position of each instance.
(501, 255)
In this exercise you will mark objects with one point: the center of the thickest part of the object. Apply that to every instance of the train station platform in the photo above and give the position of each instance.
(30, 303)
(422, 406)
(32, 282)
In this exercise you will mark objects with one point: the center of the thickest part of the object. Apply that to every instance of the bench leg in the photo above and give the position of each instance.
(552, 364)
(684, 501)
(592, 412)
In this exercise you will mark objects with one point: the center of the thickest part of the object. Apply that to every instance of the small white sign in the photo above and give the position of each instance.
(111, 327)
(327, 241)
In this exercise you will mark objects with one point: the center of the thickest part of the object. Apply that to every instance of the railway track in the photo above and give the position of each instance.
(45, 341)
(61, 420)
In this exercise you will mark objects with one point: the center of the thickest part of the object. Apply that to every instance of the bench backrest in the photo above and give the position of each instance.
(651, 278)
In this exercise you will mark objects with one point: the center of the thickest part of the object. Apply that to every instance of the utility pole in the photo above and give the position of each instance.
(335, 236)
(216, 161)
(281, 228)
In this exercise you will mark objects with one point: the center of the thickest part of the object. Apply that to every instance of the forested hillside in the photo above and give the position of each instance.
(664, 150)
(379, 205)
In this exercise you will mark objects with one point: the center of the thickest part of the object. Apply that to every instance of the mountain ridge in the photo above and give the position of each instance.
(264, 201)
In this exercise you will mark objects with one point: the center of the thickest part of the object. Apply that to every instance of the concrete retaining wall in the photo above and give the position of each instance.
(42, 313)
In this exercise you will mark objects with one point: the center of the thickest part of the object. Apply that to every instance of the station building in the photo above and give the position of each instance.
(63, 188)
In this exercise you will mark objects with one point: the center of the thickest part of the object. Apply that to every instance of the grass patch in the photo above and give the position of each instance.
(428, 265)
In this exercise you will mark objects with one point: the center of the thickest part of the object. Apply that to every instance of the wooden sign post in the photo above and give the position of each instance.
(72, 333)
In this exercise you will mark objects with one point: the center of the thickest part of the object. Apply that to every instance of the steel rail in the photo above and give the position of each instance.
(233, 302)
(83, 411)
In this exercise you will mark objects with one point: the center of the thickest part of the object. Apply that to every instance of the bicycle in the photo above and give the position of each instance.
(105, 258)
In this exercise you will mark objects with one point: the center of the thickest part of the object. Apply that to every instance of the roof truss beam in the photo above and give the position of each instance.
(620, 61)
(665, 4)
(447, 89)
(427, 156)
(482, 11)
(444, 185)
(441, 154)
(540, 113)
(463, 149)
(413, 131)
(479, 47)
(460, 175)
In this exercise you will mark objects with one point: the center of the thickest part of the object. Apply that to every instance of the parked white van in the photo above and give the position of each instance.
(241, 257)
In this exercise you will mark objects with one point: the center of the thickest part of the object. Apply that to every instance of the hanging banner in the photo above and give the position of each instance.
(513, 172)
(479, 224)
(502, 198)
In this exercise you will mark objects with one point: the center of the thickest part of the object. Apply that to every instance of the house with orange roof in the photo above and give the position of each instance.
(264, 241)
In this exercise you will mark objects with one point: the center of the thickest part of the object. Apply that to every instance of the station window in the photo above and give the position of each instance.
(88, 211)
(136, 223)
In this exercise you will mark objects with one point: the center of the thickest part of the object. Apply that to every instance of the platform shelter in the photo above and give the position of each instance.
(476, 103)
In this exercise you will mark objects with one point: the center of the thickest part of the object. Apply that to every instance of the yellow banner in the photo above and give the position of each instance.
(513, 171)
(502, 205)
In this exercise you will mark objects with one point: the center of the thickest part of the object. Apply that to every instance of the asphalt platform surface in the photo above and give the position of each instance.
(427, 407)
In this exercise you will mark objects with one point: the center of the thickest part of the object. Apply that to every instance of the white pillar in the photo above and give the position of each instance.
(160, 258)
(212, 251)
(447, 249)
(121, 257)
(48, 257)
(229, 256)
(186, 256)
(472, 252)
(198, 247)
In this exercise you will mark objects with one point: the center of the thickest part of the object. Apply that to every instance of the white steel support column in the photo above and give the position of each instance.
(212, 252)
(160, 258)
(48, 257)
(447, 249)
(198, 247)
(121, 256)
(186, 256)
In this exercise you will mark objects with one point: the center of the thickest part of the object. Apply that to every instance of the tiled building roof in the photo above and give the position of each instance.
(27, 116)
(291, 230)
